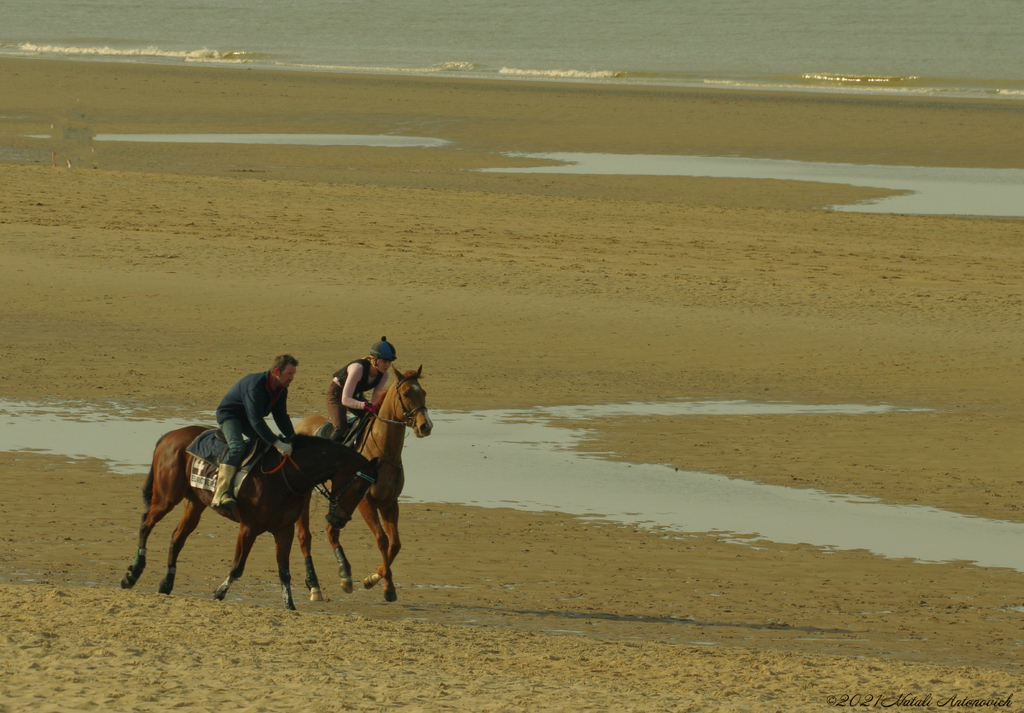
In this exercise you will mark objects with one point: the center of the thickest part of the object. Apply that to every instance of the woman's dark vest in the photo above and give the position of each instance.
(363, 386)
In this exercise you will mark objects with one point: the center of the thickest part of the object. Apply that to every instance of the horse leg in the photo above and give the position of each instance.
(344, 568)
(369, 510)
(246, 537)
(188, 523)
(283, 542)
(305, 541)
(389, 515)
(157, 510)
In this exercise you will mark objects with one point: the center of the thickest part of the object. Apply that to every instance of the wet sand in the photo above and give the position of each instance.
(158, 274)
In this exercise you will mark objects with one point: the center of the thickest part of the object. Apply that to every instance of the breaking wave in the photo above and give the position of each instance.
(561, 73)
(862, 79)
(201, 55)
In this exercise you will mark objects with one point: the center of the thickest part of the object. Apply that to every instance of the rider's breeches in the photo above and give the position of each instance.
(232, 429)
(335, 411)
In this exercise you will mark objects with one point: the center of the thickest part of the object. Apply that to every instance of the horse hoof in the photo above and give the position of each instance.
(126, 583)
(390, 596)
(371, 581)
(315, 595)
(346, 586)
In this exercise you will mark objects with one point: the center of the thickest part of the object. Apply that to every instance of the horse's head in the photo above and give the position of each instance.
(412, 402)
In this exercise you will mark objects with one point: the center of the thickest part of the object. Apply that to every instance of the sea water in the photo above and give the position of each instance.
(906, 47)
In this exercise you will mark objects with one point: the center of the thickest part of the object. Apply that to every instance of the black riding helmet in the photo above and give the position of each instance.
(384, 350)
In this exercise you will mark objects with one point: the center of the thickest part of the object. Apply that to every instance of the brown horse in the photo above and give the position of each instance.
(270, 500)
(402, 405)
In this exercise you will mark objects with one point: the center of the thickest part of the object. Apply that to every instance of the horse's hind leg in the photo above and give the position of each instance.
(157, 510)
(305, 541)
(246, 536)
(189, 521)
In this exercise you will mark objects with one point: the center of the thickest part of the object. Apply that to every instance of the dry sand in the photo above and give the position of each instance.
(159, 273)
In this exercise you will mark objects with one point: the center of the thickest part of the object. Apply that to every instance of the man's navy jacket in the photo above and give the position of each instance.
(250, 401)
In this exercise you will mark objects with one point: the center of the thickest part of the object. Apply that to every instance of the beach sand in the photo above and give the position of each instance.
(158, 274)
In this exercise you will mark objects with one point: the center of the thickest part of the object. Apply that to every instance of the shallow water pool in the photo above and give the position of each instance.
(382, 140)
(518, 459)
(933, 190)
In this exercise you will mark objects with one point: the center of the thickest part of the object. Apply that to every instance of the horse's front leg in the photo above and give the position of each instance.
(369, 511)
(305, 542)
(246, 537)
(344, 568)
(283, 541)
(389, 518)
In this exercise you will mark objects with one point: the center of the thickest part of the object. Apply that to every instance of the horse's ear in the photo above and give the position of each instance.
(419, 372)
(396, 372)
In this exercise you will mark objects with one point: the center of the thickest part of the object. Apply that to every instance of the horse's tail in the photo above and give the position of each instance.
(147, 487)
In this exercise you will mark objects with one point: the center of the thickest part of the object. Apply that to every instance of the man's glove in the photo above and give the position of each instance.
(285, 449)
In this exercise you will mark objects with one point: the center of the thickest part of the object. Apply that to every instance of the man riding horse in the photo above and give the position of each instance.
(240, 415)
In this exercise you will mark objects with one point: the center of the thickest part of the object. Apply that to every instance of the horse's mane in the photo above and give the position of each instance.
(300, 441)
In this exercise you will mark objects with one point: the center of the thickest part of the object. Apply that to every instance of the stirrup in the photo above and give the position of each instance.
(228, 504)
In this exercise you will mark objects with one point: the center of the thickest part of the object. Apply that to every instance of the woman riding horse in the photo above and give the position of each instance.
(346, 393)
(403, 406)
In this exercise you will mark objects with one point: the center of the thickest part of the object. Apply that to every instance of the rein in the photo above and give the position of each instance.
(317, 485)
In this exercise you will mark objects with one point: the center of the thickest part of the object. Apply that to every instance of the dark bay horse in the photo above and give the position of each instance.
(402, 406)
(270, 500)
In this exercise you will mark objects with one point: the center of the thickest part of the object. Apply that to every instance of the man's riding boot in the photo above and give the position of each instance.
(222, 499)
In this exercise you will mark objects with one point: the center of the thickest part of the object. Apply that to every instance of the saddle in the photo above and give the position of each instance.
(208, 450)
(356, 426)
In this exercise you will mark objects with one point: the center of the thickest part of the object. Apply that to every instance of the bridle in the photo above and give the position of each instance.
(332, 499)
(407, 413)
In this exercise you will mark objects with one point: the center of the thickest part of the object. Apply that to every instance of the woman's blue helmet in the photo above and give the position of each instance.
(384, 350)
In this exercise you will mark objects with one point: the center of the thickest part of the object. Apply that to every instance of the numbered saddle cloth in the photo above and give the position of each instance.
(208, 450)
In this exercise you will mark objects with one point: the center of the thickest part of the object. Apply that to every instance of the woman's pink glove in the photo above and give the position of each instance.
(372, 408)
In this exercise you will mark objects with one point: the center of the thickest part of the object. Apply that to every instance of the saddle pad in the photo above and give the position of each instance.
(325, 431)
(203, 475)
(207, 451)
(211, 449)
(208, 447)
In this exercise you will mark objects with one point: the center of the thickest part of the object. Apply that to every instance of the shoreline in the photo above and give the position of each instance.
(810, 82)
(534, 117)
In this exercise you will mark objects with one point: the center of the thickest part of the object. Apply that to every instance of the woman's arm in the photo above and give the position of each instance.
(354, 374)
